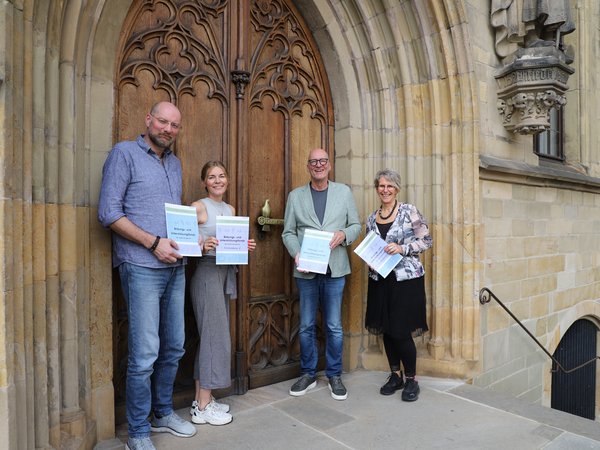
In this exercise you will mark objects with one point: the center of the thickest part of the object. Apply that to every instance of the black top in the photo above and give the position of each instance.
(384, 228)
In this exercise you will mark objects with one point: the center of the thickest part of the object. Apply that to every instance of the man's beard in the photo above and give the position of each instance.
(161, 143)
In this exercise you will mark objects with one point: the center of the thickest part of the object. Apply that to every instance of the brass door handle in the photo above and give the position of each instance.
(265, 220)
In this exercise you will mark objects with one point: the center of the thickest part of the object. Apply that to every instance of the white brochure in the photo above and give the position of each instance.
(315, 251)
(182, 227)
(371, 250)
(232, 233)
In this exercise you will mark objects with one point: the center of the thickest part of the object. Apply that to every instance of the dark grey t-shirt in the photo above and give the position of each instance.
(319, 202)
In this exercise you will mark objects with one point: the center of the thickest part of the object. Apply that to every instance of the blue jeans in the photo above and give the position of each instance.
(155, 300)
(327, 292)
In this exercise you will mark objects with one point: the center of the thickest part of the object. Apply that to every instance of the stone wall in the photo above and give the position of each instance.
(542, 260)
(55, 309)
(541, 223)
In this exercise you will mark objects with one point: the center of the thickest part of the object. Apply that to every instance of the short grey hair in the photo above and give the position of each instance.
(388, 174)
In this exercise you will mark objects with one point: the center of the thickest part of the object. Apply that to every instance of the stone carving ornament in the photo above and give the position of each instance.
(535, 71)
(529, 23)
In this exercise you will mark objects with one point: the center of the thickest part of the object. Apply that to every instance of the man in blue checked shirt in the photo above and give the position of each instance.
(138, 178)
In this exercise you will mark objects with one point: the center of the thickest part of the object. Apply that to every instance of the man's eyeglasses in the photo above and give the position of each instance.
(164, 123)
(318, 162)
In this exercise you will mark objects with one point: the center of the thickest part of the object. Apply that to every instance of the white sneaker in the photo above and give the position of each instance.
(220, 406)
(211, 414)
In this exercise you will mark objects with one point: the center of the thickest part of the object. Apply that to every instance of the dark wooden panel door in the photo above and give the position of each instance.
(575, 392)
(249, 81)
(289, 113)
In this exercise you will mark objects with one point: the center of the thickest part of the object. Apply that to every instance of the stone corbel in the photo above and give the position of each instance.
(530, 86)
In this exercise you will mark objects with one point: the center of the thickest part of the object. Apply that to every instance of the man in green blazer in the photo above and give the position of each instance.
(325, 206)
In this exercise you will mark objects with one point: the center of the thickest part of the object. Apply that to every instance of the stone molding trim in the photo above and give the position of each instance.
(550, 175)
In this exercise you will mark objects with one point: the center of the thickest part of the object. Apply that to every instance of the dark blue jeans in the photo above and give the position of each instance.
(327, 292)
(155, 299)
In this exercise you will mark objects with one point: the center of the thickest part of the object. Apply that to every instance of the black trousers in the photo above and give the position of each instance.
(401, 350)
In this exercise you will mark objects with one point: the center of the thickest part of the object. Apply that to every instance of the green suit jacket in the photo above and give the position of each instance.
(340, 214)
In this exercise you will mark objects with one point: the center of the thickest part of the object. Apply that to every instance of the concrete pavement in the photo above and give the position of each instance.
(448, 415)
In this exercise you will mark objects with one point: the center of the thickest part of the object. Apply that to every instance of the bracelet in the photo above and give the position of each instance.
(156, 241)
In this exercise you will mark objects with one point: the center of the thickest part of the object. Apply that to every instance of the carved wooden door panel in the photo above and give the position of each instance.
(250, 84)
(289, 112)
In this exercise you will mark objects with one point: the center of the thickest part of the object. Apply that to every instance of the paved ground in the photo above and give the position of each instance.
(448, 415)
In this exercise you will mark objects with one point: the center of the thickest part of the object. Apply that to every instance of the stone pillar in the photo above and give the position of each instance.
(43, 314)
(73, 418)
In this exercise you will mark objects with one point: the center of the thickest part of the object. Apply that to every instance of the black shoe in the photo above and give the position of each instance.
(394, 383)
(303, 385)
(337, 388)
(411, 390)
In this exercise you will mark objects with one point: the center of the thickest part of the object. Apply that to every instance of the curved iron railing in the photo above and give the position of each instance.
(485, 295)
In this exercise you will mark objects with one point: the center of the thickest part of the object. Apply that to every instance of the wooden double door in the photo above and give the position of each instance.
(249, 81)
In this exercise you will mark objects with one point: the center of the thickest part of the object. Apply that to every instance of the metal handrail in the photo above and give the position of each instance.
(484, 297)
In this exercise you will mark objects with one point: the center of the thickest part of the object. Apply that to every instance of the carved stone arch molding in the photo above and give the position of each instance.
(406, 99)
(58, 332)
(109, 18)
(407, 102)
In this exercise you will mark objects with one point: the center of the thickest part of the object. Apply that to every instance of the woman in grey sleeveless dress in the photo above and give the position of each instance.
(211, 289)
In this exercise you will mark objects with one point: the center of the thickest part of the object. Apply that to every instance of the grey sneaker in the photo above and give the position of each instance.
(304, 384)
(337, 388)
(139, 444)
(173, 424)
(224, 407)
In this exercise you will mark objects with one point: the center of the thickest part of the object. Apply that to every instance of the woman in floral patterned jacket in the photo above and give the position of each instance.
(396, 304)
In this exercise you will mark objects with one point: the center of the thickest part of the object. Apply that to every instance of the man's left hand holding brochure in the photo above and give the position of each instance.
(182, 227)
